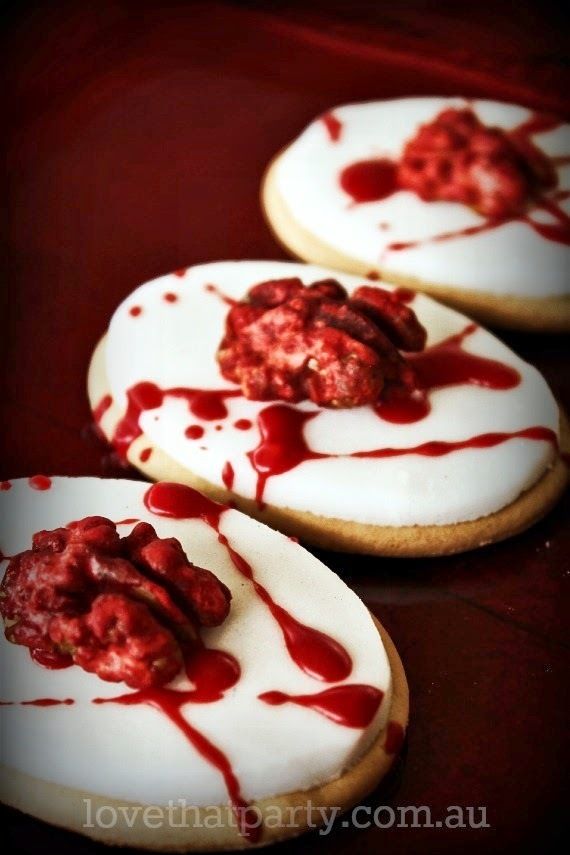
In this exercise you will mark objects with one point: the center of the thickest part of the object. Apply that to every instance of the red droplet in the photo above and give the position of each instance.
(333, 126)
(145, 454)
(243, 424)
(170, 297)
(194, 432)
(370, 180)
(39, 482)
(181, 272)
(228, 475)
(351, 706)
(135, 311)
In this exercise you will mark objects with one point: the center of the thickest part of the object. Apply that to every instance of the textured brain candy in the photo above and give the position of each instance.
(134, 642)
(339, 409)
(465, 199)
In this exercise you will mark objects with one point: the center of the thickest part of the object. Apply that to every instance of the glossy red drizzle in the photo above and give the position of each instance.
(228, 475)
(128, 521)
(212, 672)
(39, 482)
(395, 734)
(352, 706)
(213, 289)
(39, 702)
(317, 654)
(203, 403)
(54, 661)
(377, 179)
(445, 364)
(282, 445)
(101, 408)
(145, 454)
(333, 126)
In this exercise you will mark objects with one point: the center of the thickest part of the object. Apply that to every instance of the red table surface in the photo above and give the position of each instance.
(138, 137)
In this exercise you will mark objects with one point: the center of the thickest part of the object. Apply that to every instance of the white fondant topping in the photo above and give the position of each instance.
(135, 752)
(174, 344)
(512, 259)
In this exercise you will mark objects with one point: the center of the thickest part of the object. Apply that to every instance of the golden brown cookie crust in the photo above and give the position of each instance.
(65, 807)
(345, 535)
(535, 314)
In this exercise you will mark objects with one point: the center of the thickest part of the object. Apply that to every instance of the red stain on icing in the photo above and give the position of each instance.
(395, 734)
(194, 432)
(39, 482)
(351, 706)
(145, 455)
(170, 297)
(203, 403)
(243, 424)
(39, 702)
(282, 446)
(313, 651)
(212, 672)
(333, 126)
(101, 408)
(128, 521)
(228, 475)
(181, 272)
(377, 179)
(213, 289)
(5, 485)
(373, 275)
(444, 364)
(370, 180)
(135, 311)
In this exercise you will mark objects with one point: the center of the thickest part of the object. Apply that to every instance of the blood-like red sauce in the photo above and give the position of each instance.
(194, 432)
(135, 311)
(128, 521)
(377, 179)
(39, 702)
(204, 404)
(445, 364)
(145, 455)
(170, 297)
(212, 673)
(395, 734)
(5, 485)
(313, 651)
(228, 475)
(101, 408)
(351, 706)
(333, 126)
(39, 482)
(282, 446)
(181, 272)
(213, 289)
(243, 424)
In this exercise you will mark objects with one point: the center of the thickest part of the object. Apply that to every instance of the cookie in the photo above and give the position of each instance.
(295, 700)
(466, 200)
(467, 456)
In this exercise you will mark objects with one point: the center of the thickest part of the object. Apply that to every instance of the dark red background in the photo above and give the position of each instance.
(138, 135)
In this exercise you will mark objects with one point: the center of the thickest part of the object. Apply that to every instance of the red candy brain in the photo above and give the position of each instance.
(456, 158)
(294, 342)
(122, 608)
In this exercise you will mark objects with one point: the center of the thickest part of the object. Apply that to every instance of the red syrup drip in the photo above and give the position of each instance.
(333, 126)
(445, 364)
(213, 289)
(194, 432)
(39, 702)
(181, 272)
(377, 179)
(243, 424)
(212, 672)
(395, 734)
(54, 661)
(5, 485)
(145, 455)
(101, 408)
(203, 403)
(313, 651)
(228, 475)
(282, 446)
(39, 482)
(128, 521)
(351, 706)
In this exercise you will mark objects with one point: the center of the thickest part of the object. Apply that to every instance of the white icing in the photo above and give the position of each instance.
(512, 259)
(136, 753)
(174, 344)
